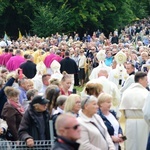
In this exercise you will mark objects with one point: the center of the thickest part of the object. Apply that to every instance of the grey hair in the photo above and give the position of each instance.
(61, 100)
(87, 99)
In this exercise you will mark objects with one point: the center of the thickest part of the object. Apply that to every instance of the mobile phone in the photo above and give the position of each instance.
(74, 91)
(20, 73)
(124, 138)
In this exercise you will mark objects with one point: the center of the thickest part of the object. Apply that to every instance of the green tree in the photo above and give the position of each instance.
(14, 14)
(48, 21)
(47, 17)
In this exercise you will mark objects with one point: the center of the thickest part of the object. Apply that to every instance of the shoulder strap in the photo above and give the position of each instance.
(100, 132)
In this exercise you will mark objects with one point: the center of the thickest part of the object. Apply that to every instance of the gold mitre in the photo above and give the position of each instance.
(120, 57)
(101, 55)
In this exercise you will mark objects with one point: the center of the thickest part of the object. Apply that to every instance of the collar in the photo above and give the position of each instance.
(84, 117)
(59, 110)
(72, 144)
(132, 73)
(22, 89)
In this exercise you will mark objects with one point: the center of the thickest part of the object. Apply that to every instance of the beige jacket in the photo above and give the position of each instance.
(91, 138)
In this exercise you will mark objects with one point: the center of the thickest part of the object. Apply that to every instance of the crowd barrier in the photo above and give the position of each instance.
(38, 144)
(21, 145)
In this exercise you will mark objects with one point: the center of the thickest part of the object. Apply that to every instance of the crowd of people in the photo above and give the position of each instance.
(38, 79)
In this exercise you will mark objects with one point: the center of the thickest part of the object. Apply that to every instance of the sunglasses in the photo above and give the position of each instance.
(74, 127)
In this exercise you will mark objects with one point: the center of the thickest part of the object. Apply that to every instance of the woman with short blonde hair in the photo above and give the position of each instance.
(110, 119)
(103, 98)
(73, 104)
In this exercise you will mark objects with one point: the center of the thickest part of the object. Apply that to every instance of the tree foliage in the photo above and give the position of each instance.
(46, 17)
(48, 21)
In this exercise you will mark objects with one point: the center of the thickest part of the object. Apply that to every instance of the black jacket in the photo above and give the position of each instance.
(108, 124)
(68, 65)
(53, 118)
(65, 144)
(30, 128)
(29, 69)
(3, 97)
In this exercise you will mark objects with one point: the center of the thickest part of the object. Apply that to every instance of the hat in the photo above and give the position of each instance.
(39, 99)
(101, 55)
(120, 57)
(55, 66)
(41, 68)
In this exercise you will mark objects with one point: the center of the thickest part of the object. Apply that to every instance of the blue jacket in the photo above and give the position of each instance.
(108, 123)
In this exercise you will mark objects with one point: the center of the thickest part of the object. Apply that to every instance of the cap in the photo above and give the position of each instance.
(39, 99)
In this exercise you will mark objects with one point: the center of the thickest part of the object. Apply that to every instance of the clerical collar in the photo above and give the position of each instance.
(131, 73)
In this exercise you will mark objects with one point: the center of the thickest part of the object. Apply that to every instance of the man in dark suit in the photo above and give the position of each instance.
(29, 67)
(69, 65)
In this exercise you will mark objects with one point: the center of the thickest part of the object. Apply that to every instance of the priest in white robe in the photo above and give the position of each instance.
(101, 57)
(132, 102)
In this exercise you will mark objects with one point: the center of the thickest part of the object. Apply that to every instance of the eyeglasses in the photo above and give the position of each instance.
(74, 127)
(78, 102)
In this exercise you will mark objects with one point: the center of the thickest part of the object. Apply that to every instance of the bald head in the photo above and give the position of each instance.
(63, 120)
(103, 72)
(67, 126)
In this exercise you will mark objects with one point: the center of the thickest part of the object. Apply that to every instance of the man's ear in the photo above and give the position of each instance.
(61, 131)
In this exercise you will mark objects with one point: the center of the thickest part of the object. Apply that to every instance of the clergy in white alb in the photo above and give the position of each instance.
(132, 102)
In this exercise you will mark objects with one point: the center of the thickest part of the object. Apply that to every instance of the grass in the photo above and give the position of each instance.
(79, 88)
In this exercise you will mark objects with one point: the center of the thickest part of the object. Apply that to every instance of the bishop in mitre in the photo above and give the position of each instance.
(119, 74)
(101, 57)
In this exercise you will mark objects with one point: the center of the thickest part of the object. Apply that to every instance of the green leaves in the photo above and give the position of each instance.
(48, 21)
(47, 17)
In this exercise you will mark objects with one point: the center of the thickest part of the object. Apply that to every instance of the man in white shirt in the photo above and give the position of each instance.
(108, 87)
(130, 68)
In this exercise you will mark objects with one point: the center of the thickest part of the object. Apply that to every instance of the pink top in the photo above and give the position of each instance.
(2, 57)
(57, 58)
(6, 58)
(49, 59)
(15, 62)
(63, 93)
